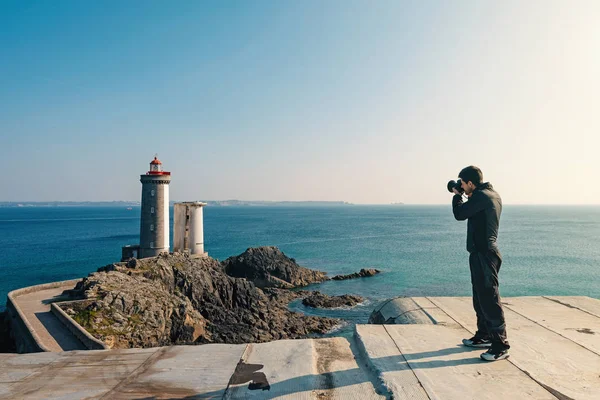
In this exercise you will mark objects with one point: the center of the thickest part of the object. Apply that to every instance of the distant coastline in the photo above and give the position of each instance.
(213, 203)
(262, 203)
(20, 204)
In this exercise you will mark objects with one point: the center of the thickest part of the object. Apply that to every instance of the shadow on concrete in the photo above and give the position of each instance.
(57, 298)
(338, 379)
(65, 339)
(444, 352)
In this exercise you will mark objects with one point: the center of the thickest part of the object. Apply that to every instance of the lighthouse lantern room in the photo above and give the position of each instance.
(156, 167)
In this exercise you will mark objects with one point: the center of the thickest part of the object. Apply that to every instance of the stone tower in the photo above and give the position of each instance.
(154, 225)
(188, 228)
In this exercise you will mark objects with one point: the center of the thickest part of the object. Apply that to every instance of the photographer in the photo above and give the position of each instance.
(482, 210)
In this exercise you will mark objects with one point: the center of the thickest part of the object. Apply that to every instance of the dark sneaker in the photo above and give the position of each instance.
(495, 354)
(477, 341)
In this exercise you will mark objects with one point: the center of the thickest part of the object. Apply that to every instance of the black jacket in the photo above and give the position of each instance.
(483, 212)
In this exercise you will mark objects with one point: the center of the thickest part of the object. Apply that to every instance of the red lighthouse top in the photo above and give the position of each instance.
(156, 168)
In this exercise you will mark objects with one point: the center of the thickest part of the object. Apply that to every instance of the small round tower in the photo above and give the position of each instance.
(154, 224)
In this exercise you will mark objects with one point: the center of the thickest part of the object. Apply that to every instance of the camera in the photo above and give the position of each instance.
(455, 185)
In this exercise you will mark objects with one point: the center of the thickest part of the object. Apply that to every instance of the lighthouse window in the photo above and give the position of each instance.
(151, 244)
(152, 193)
(152, 227)
(151, 210)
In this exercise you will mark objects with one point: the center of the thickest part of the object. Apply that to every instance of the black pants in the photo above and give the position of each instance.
(486, 297)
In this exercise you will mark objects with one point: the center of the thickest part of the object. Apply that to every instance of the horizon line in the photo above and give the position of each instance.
(293, 201)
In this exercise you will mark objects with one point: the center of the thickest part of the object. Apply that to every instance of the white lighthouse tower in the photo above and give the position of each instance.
(154, 224)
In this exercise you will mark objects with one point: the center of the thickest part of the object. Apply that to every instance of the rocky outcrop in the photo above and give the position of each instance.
(320, 300)
(269, 267)
(362, 274)
(175, 299)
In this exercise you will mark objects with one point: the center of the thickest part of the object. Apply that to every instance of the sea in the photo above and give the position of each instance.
(421, 250)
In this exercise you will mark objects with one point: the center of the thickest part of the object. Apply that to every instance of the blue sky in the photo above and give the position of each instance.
(367, 102)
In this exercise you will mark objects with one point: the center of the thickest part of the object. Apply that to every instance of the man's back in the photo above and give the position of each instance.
(483, 212)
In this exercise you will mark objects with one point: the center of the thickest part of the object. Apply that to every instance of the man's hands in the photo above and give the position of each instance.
(457, 192)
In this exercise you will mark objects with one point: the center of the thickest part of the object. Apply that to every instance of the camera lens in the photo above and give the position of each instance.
(455, 185)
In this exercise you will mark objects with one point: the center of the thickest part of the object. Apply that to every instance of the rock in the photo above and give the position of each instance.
(285, 296)
(320, 300)
(108, 268)
(177, 299)
(132, 263)
(269, 267)
(119, 318)
(362, 274)
(67, 294)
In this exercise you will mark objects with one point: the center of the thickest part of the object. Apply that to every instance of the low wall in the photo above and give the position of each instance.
(26, 339)
(84, 336)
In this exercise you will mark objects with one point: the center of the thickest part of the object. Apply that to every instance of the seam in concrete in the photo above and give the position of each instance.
(363, 361)
(547, 388)
(433, 321)
(77, 330)
(226, 391)
(48, 371)
(449, 316)
(143, 367)
(554, 392)
(362, 351)
(551, 330)
(407, 363)
(571, 306)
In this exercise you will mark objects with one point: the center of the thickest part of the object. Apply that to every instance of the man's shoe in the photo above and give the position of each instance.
(495, 354)
(478, 342)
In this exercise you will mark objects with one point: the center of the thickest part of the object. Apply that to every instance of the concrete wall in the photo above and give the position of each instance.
(154, 222)
(196, 230)
(84, 336)
(188, 228)
(179, 227)
(26, 339)
(7, 344)
(130, 251)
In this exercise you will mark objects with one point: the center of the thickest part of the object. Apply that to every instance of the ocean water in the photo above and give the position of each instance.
(547, 250)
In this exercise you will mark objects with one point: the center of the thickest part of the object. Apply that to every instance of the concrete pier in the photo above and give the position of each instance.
(33, 325)
(555, 354)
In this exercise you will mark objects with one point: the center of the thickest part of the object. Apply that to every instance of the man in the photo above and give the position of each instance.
(483, 210)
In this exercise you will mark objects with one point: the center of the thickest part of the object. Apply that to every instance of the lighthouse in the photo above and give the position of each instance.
(154, 224)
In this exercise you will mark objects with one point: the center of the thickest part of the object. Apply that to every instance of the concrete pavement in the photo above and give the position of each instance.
(554, 355)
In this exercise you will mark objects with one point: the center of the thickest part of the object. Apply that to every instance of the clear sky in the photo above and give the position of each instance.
(360, 101)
